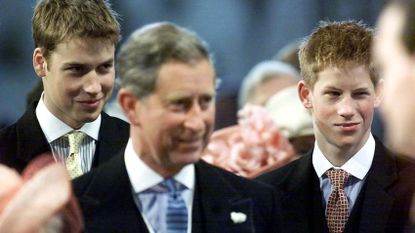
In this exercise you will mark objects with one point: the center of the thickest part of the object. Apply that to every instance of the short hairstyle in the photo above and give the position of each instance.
(408, 28)
(260, 73)
(151, 46)
(336, 44)
(55, 21)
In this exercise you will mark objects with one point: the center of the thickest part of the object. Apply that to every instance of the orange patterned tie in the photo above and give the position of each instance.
(73, 161)
(337, 211)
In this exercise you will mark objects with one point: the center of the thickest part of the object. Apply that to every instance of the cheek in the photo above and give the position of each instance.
(323, 111)
(107, 83)
(69, 89)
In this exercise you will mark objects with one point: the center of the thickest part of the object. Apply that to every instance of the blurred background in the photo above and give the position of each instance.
(240, 33)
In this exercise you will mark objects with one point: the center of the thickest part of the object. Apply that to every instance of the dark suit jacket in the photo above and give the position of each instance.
(24, 140)
(382, 205)
(106, 199)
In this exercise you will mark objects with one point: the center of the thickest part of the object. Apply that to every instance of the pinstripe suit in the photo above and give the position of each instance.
(24, 140)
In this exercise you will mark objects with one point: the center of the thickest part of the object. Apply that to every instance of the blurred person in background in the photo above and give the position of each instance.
(256, 144)
(289, 54)
(264, 80)
(252, 147)
(292, 119)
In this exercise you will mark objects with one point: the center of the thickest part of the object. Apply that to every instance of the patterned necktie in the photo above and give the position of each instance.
(176, 215)
(337, 211)
(73, 161)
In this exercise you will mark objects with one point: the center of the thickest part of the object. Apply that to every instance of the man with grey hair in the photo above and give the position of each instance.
(158, 183)
(264, 80)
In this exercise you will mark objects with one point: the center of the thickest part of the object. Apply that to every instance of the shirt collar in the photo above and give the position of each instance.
(54, 128)
(142, 177)
(358, 165)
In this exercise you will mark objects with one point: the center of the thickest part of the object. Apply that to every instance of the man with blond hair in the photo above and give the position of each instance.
(74, 57)
(349, 182)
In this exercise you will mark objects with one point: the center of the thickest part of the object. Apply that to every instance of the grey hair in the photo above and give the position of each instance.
(261, 72)
(151, 46)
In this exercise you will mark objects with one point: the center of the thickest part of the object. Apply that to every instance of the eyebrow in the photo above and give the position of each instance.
(111, 60)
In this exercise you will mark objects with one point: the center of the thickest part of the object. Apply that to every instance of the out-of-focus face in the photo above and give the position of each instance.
(342, 104)
(174, 123)
(269, 87)
(398, 71)
(78, 79)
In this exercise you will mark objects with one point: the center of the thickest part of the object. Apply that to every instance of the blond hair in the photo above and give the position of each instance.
(55, 21)
(336, 44)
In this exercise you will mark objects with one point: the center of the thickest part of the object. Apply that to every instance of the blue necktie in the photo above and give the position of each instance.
(176, 216)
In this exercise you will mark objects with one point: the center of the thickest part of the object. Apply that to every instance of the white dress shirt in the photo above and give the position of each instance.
(55, 129)
(142, 177)
(357, 166)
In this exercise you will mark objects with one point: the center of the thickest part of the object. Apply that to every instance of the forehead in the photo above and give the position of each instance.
(351, 76)
(186, 79)
(84, 48)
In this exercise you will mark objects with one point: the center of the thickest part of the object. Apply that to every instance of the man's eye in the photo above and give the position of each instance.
(75, 68)
(180, 104)
(361, 94)
(333, 93)
(205, 102)
(105, 68)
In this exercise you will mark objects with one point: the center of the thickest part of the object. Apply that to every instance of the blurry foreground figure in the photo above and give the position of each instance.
(40, 200)
(394, 50)
(252, 147)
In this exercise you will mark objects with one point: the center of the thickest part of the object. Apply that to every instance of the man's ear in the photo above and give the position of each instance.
(379, 92)
(39, 63)
(130, 105)
(304, 93)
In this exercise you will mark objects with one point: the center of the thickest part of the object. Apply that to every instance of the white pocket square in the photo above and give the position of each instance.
(238, 217)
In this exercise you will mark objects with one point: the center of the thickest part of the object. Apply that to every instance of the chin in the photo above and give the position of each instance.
(188, 158)
(89, 117)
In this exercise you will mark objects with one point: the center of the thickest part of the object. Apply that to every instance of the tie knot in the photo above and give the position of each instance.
(75, 139)
(338, 177)
(172, 185)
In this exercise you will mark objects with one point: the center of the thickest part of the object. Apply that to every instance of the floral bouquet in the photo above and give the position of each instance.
(250, 148)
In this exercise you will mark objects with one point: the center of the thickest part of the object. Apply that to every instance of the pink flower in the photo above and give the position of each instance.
(250, 148)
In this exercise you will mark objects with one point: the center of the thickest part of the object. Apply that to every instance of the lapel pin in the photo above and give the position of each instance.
(238, 217)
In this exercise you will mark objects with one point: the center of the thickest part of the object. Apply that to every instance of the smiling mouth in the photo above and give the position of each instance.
(90, 104)
(348, 126)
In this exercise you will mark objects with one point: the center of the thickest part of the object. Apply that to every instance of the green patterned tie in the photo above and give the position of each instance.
(73, 161)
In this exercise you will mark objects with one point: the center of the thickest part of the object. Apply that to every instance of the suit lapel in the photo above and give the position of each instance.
(108, 145)
(377, 203)
(302, 200)
(30, 138)
(107, 200)
(214, 201)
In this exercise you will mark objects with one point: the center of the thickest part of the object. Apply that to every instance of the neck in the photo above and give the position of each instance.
(338, 156)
